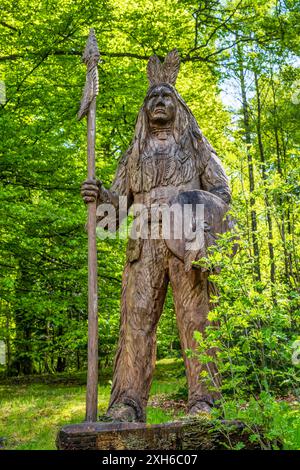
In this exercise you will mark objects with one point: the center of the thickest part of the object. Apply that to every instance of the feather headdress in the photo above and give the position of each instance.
(165, 72)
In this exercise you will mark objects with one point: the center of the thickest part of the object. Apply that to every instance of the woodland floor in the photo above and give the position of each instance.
(33, 409)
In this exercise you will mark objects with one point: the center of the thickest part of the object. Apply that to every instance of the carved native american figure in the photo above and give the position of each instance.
(169, 159)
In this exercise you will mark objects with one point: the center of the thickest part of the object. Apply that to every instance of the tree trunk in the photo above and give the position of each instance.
(247, 133)
(23, 360)
(266, 196)
(282, 220)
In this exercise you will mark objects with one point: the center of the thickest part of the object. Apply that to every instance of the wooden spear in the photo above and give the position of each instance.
(91, 58)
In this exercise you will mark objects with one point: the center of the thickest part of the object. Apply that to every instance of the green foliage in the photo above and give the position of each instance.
(251, 339)
(43, 254)
(245, 48)
(252, 335)
(271, 423)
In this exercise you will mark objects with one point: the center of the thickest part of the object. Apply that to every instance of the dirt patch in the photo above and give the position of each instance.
(168, 404)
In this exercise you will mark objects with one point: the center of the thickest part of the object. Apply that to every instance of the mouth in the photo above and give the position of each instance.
(159, 111)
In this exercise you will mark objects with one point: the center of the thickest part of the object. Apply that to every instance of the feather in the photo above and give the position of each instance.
(154, 70)
(91, 57)
(170, 67)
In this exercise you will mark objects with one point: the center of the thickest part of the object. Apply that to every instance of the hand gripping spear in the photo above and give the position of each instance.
(91, 58)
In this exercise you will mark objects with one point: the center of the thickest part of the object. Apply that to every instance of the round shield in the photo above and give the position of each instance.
(198, 217)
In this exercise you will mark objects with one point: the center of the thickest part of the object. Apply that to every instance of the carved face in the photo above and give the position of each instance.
(160, 106)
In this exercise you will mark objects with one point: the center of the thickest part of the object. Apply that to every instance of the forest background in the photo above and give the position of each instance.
(240, 76)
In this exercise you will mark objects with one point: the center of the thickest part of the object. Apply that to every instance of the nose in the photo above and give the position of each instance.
(160, 101)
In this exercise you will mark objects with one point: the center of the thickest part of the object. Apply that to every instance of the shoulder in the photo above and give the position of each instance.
(205, 153)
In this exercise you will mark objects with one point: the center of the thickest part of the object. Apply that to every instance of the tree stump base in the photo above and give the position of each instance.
(196, 433)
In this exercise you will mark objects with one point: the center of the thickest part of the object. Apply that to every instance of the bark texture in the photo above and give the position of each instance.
(192, 434)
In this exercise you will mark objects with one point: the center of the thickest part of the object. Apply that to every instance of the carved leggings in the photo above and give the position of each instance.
(144, 289)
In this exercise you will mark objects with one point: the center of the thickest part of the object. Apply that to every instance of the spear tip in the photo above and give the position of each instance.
(91, 53)
(91, 57)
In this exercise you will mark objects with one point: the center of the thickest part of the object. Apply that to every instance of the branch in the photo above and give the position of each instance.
(2, 23)
(220, 25)
(103, 54)
(259, 40)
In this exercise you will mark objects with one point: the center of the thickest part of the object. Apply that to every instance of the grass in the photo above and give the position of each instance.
(33, 409)
(31, 414)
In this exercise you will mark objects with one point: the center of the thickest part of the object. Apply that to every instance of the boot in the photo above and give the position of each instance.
(122, 413)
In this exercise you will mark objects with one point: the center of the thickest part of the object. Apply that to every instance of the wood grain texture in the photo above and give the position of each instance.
(168, 157)
(88, 108)
(191, 434)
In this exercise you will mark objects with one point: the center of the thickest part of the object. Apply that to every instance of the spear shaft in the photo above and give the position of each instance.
(88, 108)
